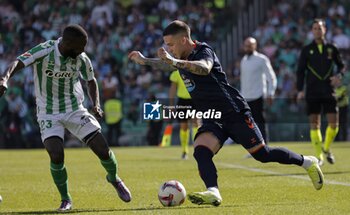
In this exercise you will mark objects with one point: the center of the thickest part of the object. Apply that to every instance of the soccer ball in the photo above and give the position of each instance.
(172, 193)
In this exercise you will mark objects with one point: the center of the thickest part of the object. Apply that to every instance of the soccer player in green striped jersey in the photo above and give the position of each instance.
(58, 65)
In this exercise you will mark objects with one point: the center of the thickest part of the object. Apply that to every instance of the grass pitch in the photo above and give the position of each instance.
(247, 186)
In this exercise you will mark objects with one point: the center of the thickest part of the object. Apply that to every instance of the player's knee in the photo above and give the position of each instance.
(262, 155)
(54, 146)
(56, 158)
(202, 152)
(99, 146)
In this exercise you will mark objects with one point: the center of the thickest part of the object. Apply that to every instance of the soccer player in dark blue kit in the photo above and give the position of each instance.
(207, 84)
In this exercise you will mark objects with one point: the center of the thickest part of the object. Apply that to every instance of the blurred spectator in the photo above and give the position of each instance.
(17, 110)
(113, 116)
(154, 128)
(109, 86)
(343, 103)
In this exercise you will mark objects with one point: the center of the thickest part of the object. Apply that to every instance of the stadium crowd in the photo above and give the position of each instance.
(116, 27)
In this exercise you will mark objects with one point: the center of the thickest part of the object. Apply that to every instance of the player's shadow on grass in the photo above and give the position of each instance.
(92, 211)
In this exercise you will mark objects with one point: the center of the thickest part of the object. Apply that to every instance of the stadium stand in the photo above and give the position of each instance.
(116, 27)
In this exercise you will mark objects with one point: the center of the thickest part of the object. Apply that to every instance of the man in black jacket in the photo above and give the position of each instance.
(316, 71)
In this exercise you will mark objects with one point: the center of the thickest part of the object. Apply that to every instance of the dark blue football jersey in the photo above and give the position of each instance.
(211, 91)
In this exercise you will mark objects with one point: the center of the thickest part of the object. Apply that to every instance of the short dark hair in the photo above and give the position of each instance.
(176, 27)
(74, 31)
(318, 20)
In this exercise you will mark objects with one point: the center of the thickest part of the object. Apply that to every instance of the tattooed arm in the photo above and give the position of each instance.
(156, 63)
(201, 67)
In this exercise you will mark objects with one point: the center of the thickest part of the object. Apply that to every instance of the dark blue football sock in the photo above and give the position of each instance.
(280, 155)
(206, 166)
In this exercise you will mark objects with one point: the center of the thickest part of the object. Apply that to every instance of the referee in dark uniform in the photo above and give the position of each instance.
(320, 70)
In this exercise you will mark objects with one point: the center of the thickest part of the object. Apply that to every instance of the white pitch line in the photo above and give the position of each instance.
(235, 166)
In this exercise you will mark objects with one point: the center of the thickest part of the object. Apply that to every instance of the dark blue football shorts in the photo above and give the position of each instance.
(240, 127)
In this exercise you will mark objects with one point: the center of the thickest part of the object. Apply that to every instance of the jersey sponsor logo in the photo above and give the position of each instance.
(151, 110)
(62, 74)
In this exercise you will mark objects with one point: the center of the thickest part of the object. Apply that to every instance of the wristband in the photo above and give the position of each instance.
(174, 63)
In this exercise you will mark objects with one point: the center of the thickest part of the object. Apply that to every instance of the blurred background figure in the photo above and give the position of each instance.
(179, 90)
(258, 82)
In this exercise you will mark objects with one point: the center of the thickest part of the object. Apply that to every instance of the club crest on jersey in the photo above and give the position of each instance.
(26, 55)
(62, 74)
(190, 85)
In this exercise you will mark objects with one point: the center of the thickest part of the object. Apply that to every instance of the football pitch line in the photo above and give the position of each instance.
(235, 166)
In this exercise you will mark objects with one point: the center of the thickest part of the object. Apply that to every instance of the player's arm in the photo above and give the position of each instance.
(270, 76)
(200, 67)
(336, 80)
(94, 97)
(271, 80)
(339, 61)
(13, 68)
(301, 73)
(156, 63)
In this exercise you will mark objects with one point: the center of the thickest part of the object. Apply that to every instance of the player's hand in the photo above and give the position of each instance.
(137, 57)
(165, 56)
(3, 86)
(97, 111)
(300, 96)
(336, 80)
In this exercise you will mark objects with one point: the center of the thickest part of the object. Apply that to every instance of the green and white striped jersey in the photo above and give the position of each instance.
(56, 79)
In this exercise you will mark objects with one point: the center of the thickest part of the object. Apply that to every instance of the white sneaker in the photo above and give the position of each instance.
(66, 205)
(314, 171)
(210, 197)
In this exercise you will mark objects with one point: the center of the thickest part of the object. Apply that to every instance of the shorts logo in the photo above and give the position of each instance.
(249, 123)
(84, 120)
(151, 110)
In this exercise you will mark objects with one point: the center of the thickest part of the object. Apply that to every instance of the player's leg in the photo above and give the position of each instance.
(84, 126)
(52, 135)
(331, 110)
(316, 135)
(257, 109)
(207, 143)
(54, 146)
(314, 113)
(194, 127)
(251, 139)
(99, 146)
(184, 138)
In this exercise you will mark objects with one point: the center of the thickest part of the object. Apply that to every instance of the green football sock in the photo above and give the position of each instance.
(111, 166)
(59, 175)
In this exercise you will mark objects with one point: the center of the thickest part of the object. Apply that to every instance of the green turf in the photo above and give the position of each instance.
(247, 186)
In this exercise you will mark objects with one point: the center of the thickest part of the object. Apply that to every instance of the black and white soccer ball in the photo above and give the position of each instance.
(172, 193)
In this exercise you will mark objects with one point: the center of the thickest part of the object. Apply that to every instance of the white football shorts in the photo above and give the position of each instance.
(80, 123)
